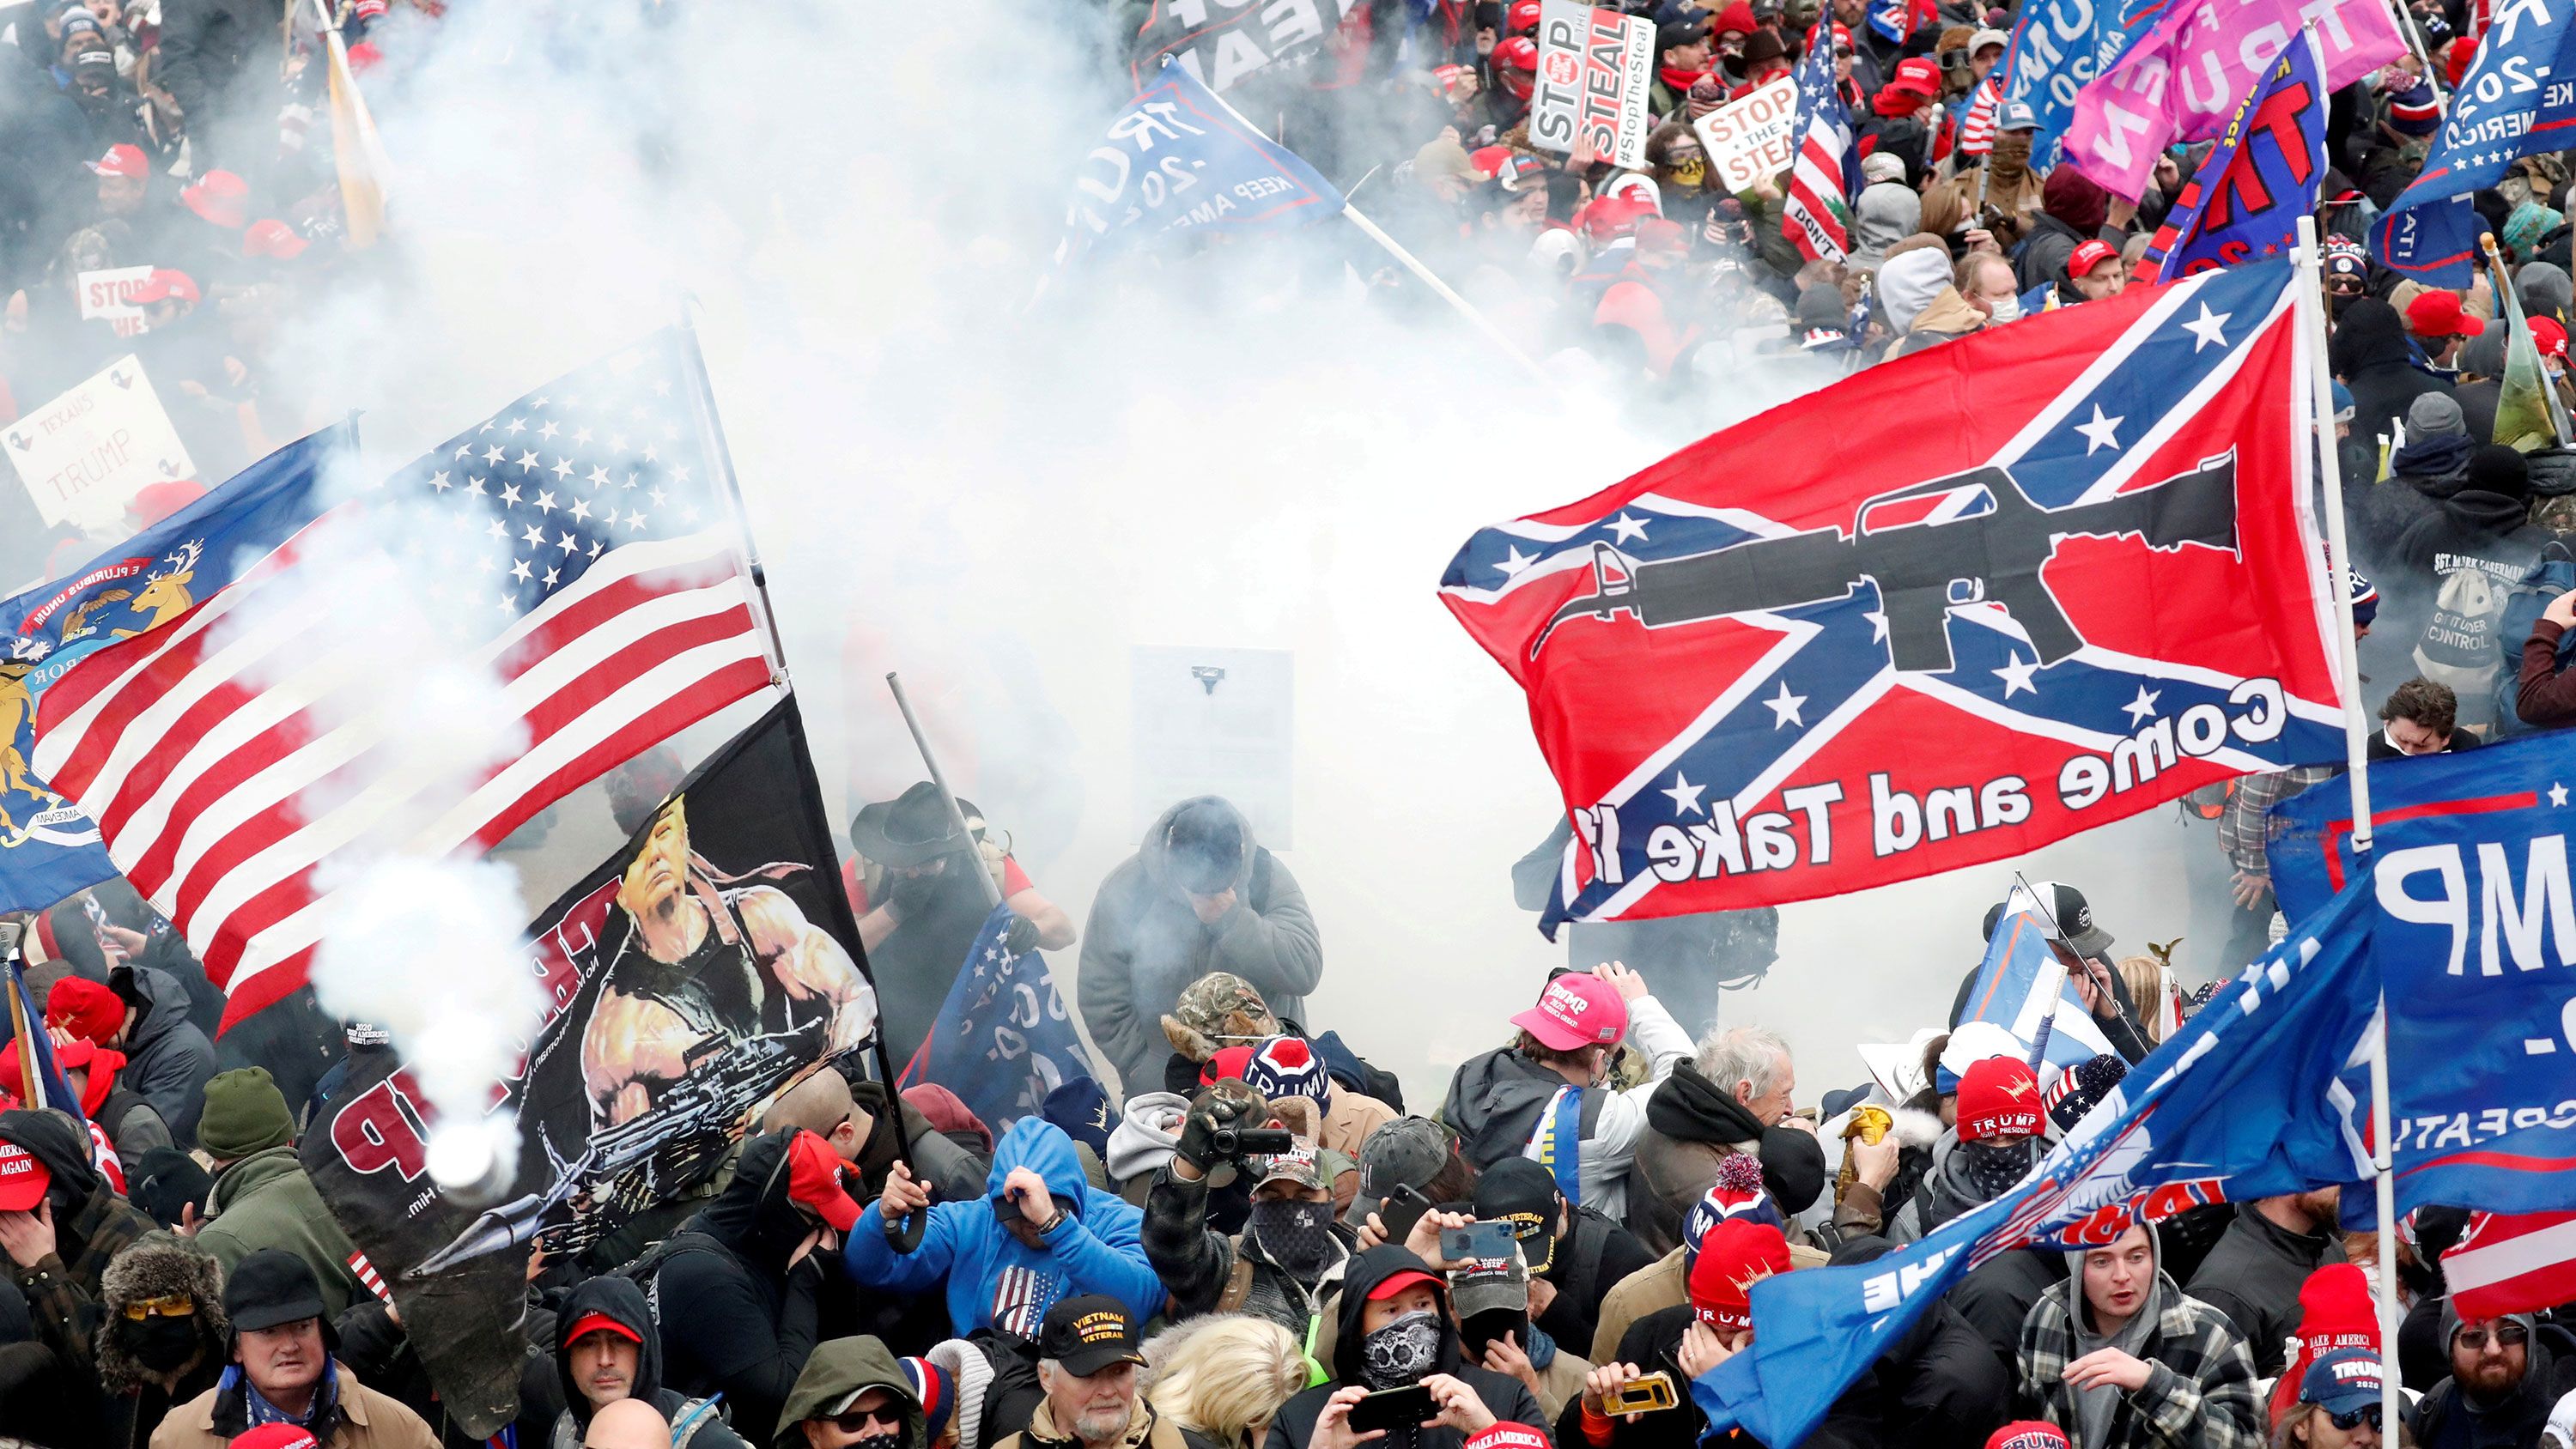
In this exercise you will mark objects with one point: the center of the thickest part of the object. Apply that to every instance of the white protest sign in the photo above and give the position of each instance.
(1595, 68)
(1215, 721)
(1748, 140)
(84, 455)
(105, 296)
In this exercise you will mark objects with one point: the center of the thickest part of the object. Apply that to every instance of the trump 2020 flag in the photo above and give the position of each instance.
(2010, 991)
(1178, 159)
(2474, 920)
(2245, 201)
(2518, 99)
(2247, 1100)
(1003, 1039)
(1856, 640)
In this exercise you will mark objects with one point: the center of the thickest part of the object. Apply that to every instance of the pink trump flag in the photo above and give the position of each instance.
(2184, 79)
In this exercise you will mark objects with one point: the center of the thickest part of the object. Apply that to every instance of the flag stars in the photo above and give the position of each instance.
(519, 570)
(1514, 561)
(581, 437)
(2102, 432)
(546, 502)
(510, 496)
(527, 461)
(2016, 675)
(2142, 708)
(598, 476)
(567, 543)
(680, 474)
(1788, 709)
(562, 468)
(464, 450)
(2208, 329)
(1623, 529)
(517, 426)
(2557, 794)
(475, 487)
(581, 510)
(493, 454)
(1685, 795)
(536, 534)
(635, 520)
(441, 481)
(497, 531)
(547, 433)
(552, 575)
(661, 387)
(657, 497)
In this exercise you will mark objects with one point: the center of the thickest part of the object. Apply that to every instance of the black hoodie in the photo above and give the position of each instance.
(735, 1318)
(2371, 355)
(621, 1301)
(1293, 1426)
(91, 1226)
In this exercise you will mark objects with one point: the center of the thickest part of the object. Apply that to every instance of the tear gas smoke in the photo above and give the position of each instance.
(1245, 449)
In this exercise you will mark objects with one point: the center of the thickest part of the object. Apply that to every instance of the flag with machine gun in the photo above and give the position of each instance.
(689, 979)
(1954, 608)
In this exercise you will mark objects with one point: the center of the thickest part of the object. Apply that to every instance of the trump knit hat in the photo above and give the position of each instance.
(1998, 1096)
(1737, 1254)
(2028, 1434)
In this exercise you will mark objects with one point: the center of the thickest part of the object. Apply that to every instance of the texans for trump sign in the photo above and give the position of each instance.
(1751, 140)
(1594, 70)
(1950, 610)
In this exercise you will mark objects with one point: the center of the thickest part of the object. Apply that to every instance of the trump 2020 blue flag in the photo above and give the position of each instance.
(2058, 47)
(1003, 1039)
(2245, 1101)
(1178, 159)
(49, 849)
(2518, 99)
(2475, 920)
(2245, 201)
(2007, 992)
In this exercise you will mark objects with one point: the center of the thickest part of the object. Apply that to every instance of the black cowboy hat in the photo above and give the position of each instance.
(912, 829)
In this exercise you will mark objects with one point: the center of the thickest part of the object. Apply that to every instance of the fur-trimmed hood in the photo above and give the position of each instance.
(157, 1265)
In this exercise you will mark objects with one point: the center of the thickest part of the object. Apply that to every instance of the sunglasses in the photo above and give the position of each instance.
(857, 1421)
(2511, 1335)
(169, 1305)
(2366, 1414)
(2344, 287)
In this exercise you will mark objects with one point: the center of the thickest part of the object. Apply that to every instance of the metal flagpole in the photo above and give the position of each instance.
(702, 395)
(2414, 32)
(939, 780)
(2356, 741)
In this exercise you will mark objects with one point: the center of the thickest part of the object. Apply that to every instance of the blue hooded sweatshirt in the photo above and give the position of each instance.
(996, 1281)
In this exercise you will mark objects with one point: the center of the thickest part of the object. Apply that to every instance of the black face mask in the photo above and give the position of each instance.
(1992, 1168)
(1298, 1236)
(878, 1441)
(162, 1344)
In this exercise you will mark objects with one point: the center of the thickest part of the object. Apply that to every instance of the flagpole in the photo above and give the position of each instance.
(2415, 42)
(702, 396)
(2509, 313)
(2356, 741)
(939, 781)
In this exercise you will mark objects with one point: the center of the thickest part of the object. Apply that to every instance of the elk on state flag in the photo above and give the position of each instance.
(1964, 604)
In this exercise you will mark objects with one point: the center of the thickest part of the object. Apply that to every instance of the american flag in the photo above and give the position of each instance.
(244, 763)
(2512, 1263)
(1977, 127)
(1817, 215)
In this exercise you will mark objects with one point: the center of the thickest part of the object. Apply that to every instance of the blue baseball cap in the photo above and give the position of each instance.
(2016, 116)
(2342, 1381)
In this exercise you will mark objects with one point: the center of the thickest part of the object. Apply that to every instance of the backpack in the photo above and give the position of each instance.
(2458, 645)
(2553, 575)
(645, 1269)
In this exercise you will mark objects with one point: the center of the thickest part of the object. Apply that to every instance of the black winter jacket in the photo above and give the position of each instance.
(735, 1318)
(1293, 1427)
(2254, 1276)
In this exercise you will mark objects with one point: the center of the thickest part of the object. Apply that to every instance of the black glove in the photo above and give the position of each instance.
(912, 896)
(1212, 1113)
(1021, 937)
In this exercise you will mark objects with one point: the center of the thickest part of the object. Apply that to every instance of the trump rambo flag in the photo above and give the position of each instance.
(1768, 669)
(211, 692)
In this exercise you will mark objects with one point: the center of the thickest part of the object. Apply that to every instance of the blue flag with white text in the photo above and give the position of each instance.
(2517, 99)
(2007, 992)
(2265, 173)
(2058, 47)
(1178, 159)
(1003, 1039)
(2245, 1101)
(2475, 921)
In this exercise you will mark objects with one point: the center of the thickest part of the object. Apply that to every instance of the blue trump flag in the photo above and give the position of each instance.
(2058, 47)
(1003, 1039)
(2007, 992)
(2474, 917)
(2518, 99)
(2265, 173)
(49, 850)
(2245, 1101)
(1178, 159)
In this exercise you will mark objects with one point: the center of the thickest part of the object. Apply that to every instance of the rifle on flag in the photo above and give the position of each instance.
(2265, 173)
(1721, 667)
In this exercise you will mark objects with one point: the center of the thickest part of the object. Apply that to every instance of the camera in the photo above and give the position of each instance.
(1242, 1142)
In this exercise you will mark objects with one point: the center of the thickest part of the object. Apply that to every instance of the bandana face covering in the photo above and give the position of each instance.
(1400, 1353)
(1993, 1168)
(1298, 1236)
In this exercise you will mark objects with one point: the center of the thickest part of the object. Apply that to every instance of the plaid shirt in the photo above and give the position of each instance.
(2243, 830)
(63, 1297)
(2200, 1380)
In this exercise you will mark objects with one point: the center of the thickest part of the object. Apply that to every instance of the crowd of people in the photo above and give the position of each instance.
(1242, 1235)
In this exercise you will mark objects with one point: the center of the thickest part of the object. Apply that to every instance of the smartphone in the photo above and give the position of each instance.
(1404, 1207)
(1476, 1240)
(1642, 1396)
(1399, 1409)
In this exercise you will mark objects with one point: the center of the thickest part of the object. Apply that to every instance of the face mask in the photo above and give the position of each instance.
(1298, 1236)
(877, 1441)
(1399, 1354)
(2012, 148)
(162, 1344)
(1992, 1168)
(2007, 308)
(1690, 172)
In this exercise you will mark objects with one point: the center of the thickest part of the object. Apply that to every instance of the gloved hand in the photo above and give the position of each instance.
(814, 1181)
(1215, 1110)
(911, 896)
(1021, 936)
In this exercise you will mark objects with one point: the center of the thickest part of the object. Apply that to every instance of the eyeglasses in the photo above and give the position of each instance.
(2510, 1335)
(856, 1421)
(2344, 287)
(2366, 1414)
(168, 1305)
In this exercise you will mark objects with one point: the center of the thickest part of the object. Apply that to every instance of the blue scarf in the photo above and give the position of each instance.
(261, 1411)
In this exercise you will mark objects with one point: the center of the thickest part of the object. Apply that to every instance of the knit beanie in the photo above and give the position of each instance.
(2080, 1088)
(2432, 414)
(2335, 1311)
(1737, 1254)
(2495, 468)
(1738, 1193)
(934, 1390)
(85, 1008)
(1998, 1095)
(1285, 1066)
(245, 1113)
